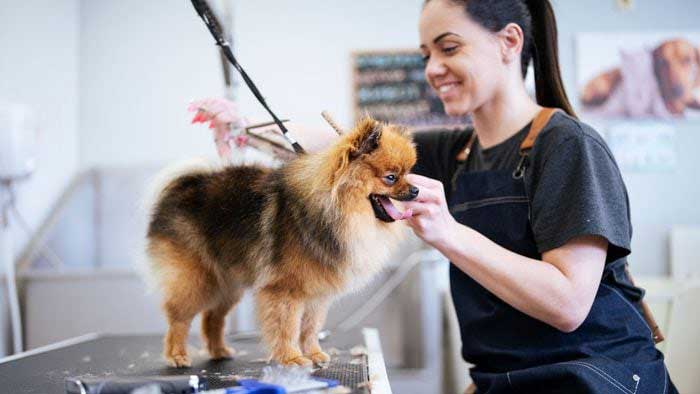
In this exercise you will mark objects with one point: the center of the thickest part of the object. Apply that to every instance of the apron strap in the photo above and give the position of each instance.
(540, 121)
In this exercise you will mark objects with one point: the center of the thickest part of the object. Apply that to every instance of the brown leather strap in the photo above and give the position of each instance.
(656, 333)
(464, 153)
(540, 121)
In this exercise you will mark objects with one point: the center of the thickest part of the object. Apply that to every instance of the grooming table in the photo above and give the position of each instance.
(43, 370)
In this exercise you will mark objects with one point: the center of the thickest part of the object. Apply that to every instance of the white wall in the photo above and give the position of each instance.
(298, 52)
(141, 62)
(39, 67)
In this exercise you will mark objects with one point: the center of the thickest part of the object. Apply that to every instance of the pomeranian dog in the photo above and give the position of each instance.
(299, 235)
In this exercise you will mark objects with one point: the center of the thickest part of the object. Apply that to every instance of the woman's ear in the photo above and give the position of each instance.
(511, 39)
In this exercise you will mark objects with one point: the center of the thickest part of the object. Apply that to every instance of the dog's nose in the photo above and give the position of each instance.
(413, 191)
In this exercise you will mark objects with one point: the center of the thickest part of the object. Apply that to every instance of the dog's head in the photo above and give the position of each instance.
(677, 69)
(373, 160)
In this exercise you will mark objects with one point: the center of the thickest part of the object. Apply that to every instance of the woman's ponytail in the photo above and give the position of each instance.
(545, 57)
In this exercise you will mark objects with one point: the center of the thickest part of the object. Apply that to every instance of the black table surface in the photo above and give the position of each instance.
(141, 355)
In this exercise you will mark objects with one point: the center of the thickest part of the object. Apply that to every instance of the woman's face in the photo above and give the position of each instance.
(462, 59)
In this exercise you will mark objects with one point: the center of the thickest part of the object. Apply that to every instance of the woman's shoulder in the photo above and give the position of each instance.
(566, 130)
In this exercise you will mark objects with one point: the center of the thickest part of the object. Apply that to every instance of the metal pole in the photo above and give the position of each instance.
(7, 257)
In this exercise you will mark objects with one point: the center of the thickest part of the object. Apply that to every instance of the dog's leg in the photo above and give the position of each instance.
(280, 318)
(213, 322)
(179, 318)
(315, 312)
(187, 289)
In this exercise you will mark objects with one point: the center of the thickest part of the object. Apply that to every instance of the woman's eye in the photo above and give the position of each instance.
(390, 179)
(425, 58)
(449, 49)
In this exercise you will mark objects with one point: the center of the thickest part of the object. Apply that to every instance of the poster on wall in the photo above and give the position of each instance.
(390, 86)
(639, 75)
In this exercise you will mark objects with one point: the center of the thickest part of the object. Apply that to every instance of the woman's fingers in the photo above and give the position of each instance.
(420, 180)
(427, 195)
(418, 208)
(429, 190)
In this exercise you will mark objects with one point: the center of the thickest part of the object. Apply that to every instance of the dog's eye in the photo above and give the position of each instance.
(390, 179)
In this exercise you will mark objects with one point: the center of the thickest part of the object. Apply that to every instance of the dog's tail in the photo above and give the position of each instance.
(156, 186)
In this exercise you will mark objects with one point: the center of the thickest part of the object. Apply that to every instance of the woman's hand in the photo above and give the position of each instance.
(431, 220)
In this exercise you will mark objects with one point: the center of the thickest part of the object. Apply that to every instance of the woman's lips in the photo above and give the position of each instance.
(447, 90)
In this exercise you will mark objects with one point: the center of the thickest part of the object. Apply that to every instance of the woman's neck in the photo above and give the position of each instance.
(502, 117)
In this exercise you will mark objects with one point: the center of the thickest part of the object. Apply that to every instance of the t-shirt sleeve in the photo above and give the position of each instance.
(577, 190)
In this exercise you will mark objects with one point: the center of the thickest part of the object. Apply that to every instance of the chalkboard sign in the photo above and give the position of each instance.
(391, 86)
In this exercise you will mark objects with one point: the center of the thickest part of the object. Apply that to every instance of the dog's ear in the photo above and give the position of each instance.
(366, 137)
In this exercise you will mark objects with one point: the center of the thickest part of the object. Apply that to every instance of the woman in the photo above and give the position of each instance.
(533, 215)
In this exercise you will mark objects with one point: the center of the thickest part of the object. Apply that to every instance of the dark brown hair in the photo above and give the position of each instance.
(536, 19)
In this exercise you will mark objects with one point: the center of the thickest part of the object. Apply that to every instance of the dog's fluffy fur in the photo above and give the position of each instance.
(298, 235)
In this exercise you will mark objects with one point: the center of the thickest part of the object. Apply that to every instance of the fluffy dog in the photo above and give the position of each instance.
(298, 235)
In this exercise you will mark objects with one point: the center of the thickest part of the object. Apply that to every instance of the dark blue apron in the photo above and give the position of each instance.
(611, 352)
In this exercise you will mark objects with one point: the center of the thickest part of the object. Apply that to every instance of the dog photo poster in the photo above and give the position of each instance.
(639, 75)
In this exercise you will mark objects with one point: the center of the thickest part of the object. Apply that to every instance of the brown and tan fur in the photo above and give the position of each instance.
(298, 235)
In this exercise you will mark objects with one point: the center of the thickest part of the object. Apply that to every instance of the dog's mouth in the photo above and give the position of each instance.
(385, 210)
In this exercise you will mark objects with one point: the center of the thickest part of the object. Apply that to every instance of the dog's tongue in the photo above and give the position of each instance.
(393, 211)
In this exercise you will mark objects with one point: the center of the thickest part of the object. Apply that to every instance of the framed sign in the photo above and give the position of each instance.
(390, 86)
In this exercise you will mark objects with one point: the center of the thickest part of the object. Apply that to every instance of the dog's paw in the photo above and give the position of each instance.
(299, 360)
(221, 352)
(178, 360)
(320, 357)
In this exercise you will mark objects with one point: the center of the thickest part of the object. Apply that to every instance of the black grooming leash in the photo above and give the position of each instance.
(215, 28)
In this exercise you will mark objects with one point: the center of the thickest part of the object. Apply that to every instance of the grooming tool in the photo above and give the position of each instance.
(277, 379)
(332, 122)
(270, 143)
(184, 384)
(214, 26)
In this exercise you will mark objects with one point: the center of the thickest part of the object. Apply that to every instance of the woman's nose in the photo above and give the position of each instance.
(434, 68)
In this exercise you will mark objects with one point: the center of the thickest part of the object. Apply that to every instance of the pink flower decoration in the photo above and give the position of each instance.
(221, 115)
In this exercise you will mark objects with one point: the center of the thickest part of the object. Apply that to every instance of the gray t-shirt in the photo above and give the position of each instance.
(573, 182)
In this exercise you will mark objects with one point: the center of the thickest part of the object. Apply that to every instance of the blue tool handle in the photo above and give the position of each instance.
(251, 386)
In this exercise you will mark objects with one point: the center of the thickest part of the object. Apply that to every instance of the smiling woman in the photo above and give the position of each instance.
(530, 208)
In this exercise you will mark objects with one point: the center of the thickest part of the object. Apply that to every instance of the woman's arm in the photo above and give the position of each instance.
(558, 290)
